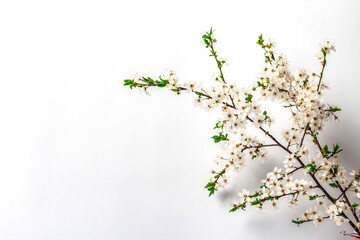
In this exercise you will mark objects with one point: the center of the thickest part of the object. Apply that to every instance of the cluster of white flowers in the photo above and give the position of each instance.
(313, 214)
(236, 151)
(356, 182)
(277, 185)
(333, 211)
(328, 173)
(172, 77)
(301, 93)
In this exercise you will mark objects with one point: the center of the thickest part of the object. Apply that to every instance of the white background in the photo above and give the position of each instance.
(82, 157)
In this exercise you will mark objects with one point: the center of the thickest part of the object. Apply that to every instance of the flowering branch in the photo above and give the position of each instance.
(298, 92)
(336, 150)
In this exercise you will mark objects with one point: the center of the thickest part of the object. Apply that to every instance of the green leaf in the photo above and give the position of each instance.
(234, 209)
(336, 149)
(207, 43)
(260, 40)
(177, 90)
(311, 167)
(248, 98)
(199, 94)
(148, 80)
(333, 185)
(128, 82)
(297, 221)
(206, 37)
(161, 83)
(325, 150)
(212, 191)
(256, 202)
(354, 205)
(131, 83)
(335, 109)
(210, 184)
(334, 169)
(314, 134)
(219, 138)
(313, 197)
(211, 188)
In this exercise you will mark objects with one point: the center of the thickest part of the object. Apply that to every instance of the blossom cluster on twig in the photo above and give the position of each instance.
(300, 92)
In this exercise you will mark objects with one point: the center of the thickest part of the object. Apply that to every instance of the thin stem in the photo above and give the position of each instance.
(220, 69)
(209, 97)
(291, 172)
(303, 137)
(217, 61)
(280, 196)
(322, 71)
(260, 146)
(319, 146)
(309, 220)
(348, 202)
